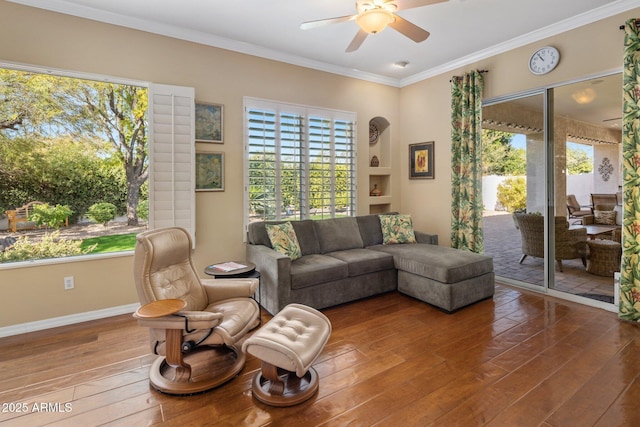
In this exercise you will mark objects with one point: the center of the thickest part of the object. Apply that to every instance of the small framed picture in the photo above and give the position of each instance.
(209, 171)
(209, 121)
(421, 160)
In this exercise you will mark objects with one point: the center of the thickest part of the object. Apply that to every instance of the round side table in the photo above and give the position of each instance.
(249, 270)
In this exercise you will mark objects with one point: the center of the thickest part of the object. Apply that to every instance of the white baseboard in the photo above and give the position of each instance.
(54, 322)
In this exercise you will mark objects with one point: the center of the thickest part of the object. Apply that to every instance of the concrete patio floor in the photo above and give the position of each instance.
(502, 241)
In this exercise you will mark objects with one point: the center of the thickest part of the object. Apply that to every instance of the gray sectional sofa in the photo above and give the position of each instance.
(343, 259)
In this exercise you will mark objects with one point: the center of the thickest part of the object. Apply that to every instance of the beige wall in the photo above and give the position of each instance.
(417, 113)
(58, 41)
(425, 107)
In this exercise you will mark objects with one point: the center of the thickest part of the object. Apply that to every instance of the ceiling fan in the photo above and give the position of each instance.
(374, 16)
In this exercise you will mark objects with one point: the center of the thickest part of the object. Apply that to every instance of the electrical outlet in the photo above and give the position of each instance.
(68, 283)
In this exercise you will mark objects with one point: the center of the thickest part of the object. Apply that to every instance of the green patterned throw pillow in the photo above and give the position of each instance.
(283, 239)
(397, 229)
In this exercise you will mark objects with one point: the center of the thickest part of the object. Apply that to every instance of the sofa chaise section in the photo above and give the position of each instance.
(445, 277)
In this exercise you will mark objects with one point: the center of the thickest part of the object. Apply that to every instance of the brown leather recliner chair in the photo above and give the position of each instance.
(194, 323)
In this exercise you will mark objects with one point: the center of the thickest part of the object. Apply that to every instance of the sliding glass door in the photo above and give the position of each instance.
(587, 154)
(514, 170)
(542, 152)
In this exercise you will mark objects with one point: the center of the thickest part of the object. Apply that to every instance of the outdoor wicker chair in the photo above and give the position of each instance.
(607, 201)
(570, 243)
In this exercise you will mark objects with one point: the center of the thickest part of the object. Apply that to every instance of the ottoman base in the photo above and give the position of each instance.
(287, 389)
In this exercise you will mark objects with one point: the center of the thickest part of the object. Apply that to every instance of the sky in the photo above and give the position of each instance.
(520, 141)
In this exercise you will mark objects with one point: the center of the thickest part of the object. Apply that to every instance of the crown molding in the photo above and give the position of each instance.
(568, 24)
(62, 6)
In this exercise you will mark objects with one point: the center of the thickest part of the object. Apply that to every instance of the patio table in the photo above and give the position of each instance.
(593, 231)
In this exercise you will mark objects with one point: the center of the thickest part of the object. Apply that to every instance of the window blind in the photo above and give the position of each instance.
(172, 157)
(300, 161)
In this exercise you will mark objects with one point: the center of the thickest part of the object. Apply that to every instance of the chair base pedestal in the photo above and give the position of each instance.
(288, 390)
(228, 362)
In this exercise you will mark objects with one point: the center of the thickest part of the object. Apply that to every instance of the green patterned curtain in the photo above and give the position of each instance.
(629, 308)
(466, 162)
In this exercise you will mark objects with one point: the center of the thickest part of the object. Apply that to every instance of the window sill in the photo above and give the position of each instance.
(63, 260)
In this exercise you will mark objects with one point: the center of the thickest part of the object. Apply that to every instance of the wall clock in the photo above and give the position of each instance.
(544, 60)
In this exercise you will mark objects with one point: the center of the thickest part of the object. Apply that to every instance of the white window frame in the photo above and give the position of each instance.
(304, 113)
(181, 134)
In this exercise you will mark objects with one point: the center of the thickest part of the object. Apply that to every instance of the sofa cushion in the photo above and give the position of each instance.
(313, 269)
(370, 230)
(397, 229)
(338, 234)
(283, 239)
(363, 261)
(305, 232)
(307, 238)
(441, 263)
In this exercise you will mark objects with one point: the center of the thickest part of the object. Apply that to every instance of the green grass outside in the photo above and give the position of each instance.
(112, 243)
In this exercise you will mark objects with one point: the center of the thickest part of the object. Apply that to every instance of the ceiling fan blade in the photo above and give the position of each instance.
(322, 22)
(357, 41)
(408, 29)
(410, 4)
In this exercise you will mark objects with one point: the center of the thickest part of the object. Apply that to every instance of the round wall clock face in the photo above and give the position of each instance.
(544, 60)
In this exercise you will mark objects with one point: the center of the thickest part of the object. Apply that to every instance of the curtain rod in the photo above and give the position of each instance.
(480, 71)
(637, 24)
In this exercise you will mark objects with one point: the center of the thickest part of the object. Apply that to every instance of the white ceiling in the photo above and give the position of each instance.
(462, 31)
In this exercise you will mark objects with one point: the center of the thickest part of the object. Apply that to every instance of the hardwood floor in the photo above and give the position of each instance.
(520, 359)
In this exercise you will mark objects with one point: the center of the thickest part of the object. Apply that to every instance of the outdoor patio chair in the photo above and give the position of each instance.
(575, 210)
(607, 202)
(570, 243)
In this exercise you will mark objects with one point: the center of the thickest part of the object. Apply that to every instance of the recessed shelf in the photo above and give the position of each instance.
(378, 209)
(379, 200)
(380, 177)
(380, 171)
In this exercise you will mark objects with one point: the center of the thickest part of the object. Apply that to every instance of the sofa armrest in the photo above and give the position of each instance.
(275, 276)
(588, 220)
(422, 237)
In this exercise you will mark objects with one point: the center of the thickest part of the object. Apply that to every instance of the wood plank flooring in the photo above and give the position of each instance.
(521, 359)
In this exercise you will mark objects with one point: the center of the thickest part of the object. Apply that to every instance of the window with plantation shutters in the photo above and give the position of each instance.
(172, 157)
(299, 162)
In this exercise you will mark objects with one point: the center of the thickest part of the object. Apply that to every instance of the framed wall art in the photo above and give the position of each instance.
(209, 171)
(421, 160)
(209, 121)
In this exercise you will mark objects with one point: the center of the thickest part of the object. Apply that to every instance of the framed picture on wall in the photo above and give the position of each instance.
(209, 121)
(421, 160)
(209, 171)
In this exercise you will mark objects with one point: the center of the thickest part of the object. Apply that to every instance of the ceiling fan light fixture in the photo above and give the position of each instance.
(374, 20)
(584, 96)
